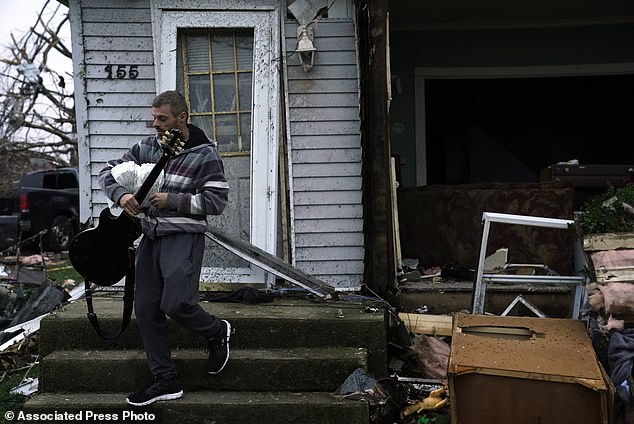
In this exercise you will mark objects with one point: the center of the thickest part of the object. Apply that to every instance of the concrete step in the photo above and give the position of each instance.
(252, 370)
(202, 407)
(287, 359)
(280, 324)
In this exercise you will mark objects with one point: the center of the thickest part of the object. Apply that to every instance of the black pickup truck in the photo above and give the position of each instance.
(46, 200)
(9, 227)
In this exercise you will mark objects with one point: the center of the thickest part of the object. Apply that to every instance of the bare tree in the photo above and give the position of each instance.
(37, 114)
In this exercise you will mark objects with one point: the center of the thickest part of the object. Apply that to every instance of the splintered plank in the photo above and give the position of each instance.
(608, 241)
(435, 325)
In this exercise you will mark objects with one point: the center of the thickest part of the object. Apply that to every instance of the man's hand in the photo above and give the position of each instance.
(129, 204)
(159, 200)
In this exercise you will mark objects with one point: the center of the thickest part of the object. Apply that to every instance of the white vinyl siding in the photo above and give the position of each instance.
(323, 118)
(114, 112)
(325, 155)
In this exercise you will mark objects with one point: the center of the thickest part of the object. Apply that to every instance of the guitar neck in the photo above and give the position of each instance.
(150, 179)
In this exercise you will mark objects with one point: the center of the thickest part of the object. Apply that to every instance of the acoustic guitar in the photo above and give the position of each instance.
(101, 254)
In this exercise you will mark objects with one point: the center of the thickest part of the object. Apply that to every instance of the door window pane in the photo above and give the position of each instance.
(225, 90)
(223, 50)
(216, 76)
(227, 130)
(199, 98)
(245, 125)
(246, 92)
(244, 49)
(197, 54)
(205, 123)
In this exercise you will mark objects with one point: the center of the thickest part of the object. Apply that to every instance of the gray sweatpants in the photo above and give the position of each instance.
(167, 278)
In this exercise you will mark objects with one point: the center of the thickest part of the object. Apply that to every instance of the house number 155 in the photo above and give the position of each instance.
(122, 71)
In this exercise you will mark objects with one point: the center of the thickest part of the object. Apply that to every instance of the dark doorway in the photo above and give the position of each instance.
(509, 129)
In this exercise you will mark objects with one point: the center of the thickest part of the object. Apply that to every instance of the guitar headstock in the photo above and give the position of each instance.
(172, 142)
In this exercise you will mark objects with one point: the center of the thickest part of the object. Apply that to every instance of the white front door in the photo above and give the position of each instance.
(226, 63)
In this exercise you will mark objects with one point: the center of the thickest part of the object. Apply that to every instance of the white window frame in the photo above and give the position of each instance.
(265, 108)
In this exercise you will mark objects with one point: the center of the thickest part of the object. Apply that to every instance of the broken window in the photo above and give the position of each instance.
(215, 71)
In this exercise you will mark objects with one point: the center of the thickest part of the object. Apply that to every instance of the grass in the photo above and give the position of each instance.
(61, 274)
(8, 401)
(61, 270)
(438, 419)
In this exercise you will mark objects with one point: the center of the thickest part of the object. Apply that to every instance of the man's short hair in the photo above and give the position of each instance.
(173, 98)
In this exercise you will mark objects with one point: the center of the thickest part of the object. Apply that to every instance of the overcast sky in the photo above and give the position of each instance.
(18, 16)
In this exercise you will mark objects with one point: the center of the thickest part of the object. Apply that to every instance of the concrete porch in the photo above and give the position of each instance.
(287, 359)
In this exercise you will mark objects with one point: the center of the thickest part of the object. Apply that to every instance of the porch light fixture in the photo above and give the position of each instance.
(306, 12)
(305, 47)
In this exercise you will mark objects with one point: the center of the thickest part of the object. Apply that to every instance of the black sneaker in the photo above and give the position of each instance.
(219, 349)
(157, 389)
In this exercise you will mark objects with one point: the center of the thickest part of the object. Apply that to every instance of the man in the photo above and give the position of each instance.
(169, 255)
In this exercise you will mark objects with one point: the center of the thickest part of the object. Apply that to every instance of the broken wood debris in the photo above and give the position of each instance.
(608, 241)
(18, 355)
(435, 325)
(611, 289)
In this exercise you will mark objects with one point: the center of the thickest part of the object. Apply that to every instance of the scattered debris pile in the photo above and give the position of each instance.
(608, 242)
(19, 356)
(26, 291)
(415, 392)
(26, 296)
(412, 271)
(611, 313)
